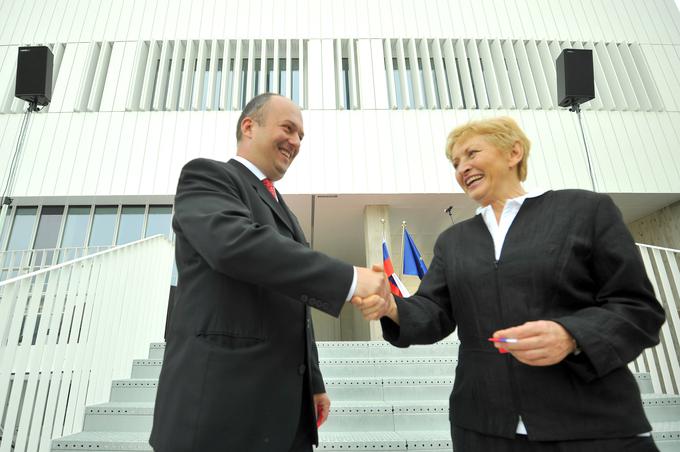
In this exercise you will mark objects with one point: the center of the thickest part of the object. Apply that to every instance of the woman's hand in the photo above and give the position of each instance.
(539, 343)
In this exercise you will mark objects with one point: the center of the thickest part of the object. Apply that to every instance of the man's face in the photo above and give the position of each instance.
(276, 142)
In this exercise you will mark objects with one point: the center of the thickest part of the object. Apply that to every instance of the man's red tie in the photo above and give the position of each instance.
(270, 187)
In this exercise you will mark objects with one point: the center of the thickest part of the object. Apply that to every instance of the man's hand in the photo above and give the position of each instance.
(374, 307)
(322, 406)
(539, 343)
(371, 282)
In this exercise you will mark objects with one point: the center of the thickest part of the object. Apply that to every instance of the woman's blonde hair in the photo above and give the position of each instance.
(503, 132)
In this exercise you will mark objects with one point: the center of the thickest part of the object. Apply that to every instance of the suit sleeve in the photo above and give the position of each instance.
(212, 212)
(424, 318)
(627, 316)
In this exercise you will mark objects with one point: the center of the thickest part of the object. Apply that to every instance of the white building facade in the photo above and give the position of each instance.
(141, 87)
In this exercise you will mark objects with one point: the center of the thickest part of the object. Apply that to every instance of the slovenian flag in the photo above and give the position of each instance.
(396, 286)
(413, 262)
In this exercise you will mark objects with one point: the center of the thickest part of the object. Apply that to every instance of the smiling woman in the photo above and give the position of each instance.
(551, 302)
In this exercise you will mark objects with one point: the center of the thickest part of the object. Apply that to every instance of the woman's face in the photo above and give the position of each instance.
(483, 171)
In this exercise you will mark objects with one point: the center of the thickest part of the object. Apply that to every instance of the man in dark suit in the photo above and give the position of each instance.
(241, 370)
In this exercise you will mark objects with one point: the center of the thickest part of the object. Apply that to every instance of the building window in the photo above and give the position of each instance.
(130, 224)
(47, 235)
(159, 221)
(103, 226)
(75, 231)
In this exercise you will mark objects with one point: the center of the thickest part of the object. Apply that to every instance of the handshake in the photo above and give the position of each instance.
(372, 295)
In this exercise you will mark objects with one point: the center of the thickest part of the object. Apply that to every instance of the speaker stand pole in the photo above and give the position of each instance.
(14, 162)
(577, 108)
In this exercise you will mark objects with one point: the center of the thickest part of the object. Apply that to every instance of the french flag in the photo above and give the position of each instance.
(396, 286)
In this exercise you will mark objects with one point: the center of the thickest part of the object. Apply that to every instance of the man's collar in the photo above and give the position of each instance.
(251, 166)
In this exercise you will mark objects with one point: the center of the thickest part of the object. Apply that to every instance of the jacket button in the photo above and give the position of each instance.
(301, 369)
(304, 298)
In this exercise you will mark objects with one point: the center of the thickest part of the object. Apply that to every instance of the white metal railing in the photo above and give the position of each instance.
(68, 330)
(19, 262)
(662, 361)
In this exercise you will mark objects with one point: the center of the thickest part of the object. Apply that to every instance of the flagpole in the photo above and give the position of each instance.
(403, 228)
(382, 220)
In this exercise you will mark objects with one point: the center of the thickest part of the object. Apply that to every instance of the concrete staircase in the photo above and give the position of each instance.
(383, 398)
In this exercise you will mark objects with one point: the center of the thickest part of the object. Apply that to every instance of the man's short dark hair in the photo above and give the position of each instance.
(254, 109)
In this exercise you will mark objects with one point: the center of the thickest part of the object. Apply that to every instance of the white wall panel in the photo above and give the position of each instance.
(30, 155)
(92, 163)
(59, 180)
(134, 25)
(658, 67)
(93, 11)
(8, 70)
(111, 141)
(118, 29)
(334, 156)
(101, 20)
(378, 20)
(123, 151)
(601, 20)
(136, 153)
(25, 31)
(9, 134)
(670, 124)
(166, 142)
(19, 16)
(142, 153)
(145, 181)
(83, 145)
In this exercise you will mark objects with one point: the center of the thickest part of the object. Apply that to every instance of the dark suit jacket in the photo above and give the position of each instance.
(241, 339)
(568, 257)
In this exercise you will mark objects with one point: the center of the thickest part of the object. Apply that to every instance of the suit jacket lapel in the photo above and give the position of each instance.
(267, 197)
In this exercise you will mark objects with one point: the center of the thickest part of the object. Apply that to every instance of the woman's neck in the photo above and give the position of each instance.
(499, 203)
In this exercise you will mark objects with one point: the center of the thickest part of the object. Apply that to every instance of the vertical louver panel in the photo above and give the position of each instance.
(536, 66)
(610, 76)
(475, 64)
(175, 76)
(391, 93)
(601, 86)
(500, 66)
(491, 76)
(216, 73)
(465, 75)
(526, 74)
(442, 88)
(187, 76)
(149, 74)
(514, 76)
(88, 76)
(415, 66)
(453, 75)
(425, 67)
(646, 77)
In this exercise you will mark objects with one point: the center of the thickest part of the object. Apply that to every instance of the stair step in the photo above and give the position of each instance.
(104, 441)
(134, 389)
(345, 367)
(666, 436)
(359, 349)
(119, 416)
(350, 416)
(354, 388)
